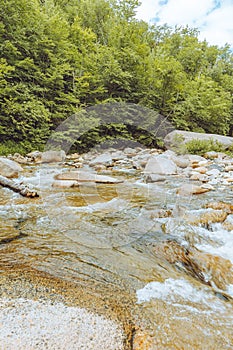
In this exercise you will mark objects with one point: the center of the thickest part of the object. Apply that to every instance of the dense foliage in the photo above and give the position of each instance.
(60, 56)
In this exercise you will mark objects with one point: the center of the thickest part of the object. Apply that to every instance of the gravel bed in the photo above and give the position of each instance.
(28, 324)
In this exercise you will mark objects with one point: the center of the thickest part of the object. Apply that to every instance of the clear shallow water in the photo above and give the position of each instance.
(114, 235)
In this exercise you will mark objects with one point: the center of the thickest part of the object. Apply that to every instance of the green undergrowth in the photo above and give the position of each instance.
(200, 147)
(11, 147)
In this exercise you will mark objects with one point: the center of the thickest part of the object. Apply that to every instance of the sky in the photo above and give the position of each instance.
(213, 18)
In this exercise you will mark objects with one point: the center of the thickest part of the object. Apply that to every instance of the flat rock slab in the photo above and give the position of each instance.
(82, 176)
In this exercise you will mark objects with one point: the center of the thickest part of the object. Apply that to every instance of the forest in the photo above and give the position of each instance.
(59, 57)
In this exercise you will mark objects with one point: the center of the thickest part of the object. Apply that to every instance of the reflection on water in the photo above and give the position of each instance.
(107, 233)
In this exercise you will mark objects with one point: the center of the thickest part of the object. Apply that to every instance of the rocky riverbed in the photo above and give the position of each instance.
(139, 236)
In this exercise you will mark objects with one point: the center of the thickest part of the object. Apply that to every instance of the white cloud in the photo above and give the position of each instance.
(214, 18)
(183, 11)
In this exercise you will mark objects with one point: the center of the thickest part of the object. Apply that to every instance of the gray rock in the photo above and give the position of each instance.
(150, 178)
(105, 159)
(181, 161)
(195, 158)
(213, 172)
(130, 152)
(142, 160)
(9, 168)
(53, 156)
(216, 166)
(118, 155)
(47, 156)
(160, 165)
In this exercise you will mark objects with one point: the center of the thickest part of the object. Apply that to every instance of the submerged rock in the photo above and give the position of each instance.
(209, 269)
(65, 183)
(83, 176)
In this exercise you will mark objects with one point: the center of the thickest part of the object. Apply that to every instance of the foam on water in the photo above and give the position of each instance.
(174, 290)
(230, 289)
(223, 239)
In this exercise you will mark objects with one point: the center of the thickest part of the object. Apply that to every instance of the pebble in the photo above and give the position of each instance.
(213, 172)
(201, 169)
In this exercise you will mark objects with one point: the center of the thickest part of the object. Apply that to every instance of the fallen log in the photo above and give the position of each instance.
(19, 188)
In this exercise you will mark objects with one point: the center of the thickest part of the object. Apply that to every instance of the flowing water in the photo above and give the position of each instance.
(130, 238)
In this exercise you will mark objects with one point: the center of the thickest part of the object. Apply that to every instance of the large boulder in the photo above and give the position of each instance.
(53, 156)
(47, 156)
(9, 168)
(84, 176)
(179, 137)
(161, 165)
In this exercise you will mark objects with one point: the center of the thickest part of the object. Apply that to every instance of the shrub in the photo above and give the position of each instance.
(200, 147)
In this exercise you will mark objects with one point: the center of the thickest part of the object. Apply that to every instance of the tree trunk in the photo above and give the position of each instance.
(19, 188)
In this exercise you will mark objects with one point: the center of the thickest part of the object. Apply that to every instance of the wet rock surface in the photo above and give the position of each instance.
(82, 176)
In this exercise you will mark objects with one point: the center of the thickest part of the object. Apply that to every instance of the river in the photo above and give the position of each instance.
(132, 243)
